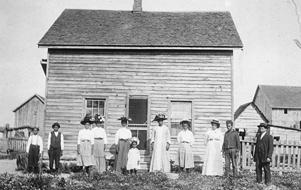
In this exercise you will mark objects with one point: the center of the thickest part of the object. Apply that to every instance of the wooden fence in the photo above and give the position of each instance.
(286, 155)
(17, 144)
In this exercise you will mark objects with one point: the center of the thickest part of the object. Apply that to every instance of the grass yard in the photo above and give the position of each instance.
(145, 181)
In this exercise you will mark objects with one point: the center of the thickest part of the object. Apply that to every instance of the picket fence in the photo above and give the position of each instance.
(286, 155)
(17, 144)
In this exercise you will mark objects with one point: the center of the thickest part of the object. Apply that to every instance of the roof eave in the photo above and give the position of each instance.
(51, 46)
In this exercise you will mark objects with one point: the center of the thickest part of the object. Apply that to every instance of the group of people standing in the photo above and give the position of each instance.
(92, 141)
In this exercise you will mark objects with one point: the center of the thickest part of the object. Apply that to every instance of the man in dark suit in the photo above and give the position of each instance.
(263, 153)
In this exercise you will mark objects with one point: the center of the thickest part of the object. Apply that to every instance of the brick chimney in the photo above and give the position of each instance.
(137, 7)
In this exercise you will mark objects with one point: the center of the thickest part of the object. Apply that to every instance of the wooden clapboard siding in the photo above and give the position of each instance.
(203, 77)
(291, 119)
(249, 119)
(261, 101)
(30, 114)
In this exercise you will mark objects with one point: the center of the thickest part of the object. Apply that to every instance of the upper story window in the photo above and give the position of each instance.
(179, 110)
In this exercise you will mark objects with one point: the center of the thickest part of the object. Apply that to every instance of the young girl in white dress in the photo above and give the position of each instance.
(133, 157)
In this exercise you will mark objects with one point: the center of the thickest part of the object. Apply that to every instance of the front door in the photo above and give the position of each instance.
(138, 112)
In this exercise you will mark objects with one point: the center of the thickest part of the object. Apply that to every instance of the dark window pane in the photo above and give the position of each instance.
(101, 104)
(138, 111)
(95, 104)
(89, 103)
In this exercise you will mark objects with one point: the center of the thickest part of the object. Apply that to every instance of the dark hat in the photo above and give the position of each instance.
(56, 124)
(263, 125)
(87, 119)
(99, 119)
(229, 122)
(160, 117)
(215, 122)
(124, 119)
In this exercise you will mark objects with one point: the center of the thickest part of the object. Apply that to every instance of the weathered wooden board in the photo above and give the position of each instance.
(202, 77)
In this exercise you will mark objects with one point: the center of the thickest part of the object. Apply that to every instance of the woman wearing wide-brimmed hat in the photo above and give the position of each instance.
(185, 138)
(160, 143)
(100, 141)
(122, 142)
(213, 163)
(85, 143)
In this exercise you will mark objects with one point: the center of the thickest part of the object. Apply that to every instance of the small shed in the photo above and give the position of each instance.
(29, 114)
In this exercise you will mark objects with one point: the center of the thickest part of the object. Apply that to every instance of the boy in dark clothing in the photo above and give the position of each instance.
(263, 154)
(34, 150)
(55, 147)
(231, 148)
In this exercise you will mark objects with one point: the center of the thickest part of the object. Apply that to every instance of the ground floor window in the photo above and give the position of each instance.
(94, 106)
(179, 110)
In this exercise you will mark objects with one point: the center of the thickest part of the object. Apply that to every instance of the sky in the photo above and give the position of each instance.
(267, 28)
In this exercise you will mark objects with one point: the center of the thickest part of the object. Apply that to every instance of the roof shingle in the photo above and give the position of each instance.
(282, 96)
(76, 27)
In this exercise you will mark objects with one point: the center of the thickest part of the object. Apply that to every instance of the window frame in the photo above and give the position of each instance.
(95, 97)
(148, 123)
(169, 114)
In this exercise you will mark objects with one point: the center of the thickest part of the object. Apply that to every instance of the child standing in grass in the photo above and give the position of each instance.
(133, 157)
(34, 150)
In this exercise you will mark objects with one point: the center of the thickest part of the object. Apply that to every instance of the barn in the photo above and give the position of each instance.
(279, 106)
(139, 64)
(29, 114)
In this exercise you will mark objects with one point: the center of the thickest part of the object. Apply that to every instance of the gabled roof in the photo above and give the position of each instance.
(242, 108)
(76, 27)
(281, 96)
(42, 99)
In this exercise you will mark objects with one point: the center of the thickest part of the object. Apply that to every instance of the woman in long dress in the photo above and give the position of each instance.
(100, 141)
(122, 142)
(213, 164)
(160, 143)
(185, 139)
(85, 143)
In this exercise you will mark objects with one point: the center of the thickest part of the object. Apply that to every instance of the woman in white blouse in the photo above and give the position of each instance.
(100, 141)
(122, 142)
(213, 163)
(185, 139)
(34, 150)
(85, 143)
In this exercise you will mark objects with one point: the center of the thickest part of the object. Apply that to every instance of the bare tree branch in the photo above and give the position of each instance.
(298, 20)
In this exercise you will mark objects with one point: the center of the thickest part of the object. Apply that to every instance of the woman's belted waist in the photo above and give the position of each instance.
(98, 138)
(185, 142)
(123, 139)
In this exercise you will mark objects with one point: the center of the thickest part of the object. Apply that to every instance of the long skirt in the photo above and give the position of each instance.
(122, 155)
(160, 158)
(185, 156)
(213, 163)
(33, 158)
(99, 155)
(85, 157)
